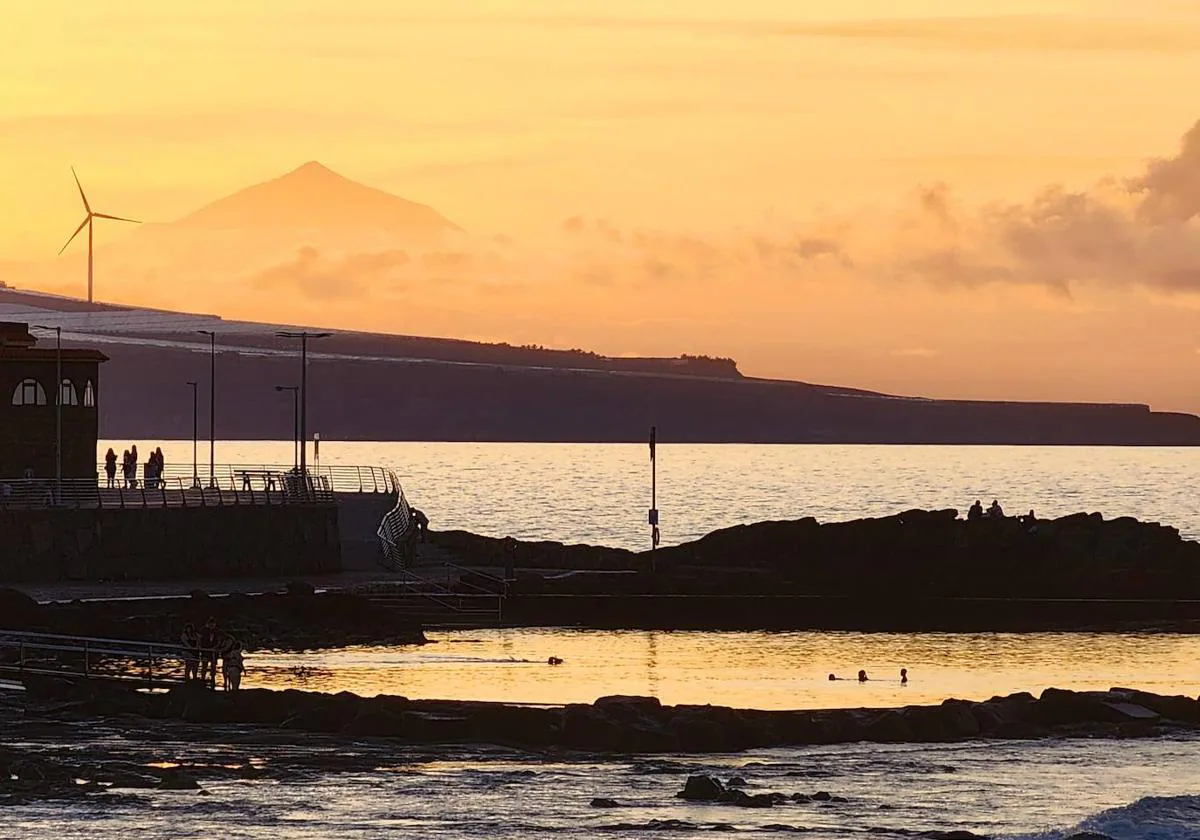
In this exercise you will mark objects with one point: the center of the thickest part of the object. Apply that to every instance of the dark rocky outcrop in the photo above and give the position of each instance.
(927, 553)
(916, 570)
(633, 724)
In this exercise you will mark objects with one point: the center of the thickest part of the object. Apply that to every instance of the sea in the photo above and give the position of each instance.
(1048, 790)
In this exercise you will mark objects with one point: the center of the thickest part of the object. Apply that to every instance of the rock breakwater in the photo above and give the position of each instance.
(930, 553)
(621, 724)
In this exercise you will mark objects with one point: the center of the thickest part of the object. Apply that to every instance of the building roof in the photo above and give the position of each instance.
(41, 354)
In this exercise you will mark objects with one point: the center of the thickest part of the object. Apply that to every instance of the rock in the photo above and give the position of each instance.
(960, 718)
(953, 835)
(1058, 707)
(301, 589)
(602, 802)
(1089, 835)
(1132, 711)
(888, 727)
(376, 721)
(1176, 707)
(587, 727)
(619, 705)
(175, 779)
(736, 781)
(822, 796)
(702, 789)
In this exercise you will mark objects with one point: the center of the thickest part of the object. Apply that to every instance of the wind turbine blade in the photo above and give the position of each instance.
(115, 218)
(82, 225)
(86, 206)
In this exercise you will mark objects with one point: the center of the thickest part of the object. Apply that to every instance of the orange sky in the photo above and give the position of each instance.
(710, 126)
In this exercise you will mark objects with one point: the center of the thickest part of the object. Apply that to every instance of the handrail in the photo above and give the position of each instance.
(60, 637)
(231, 484)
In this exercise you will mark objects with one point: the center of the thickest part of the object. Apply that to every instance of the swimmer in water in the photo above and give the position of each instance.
(862, 676)
(832, 677)
(554, 660)
(903, 676)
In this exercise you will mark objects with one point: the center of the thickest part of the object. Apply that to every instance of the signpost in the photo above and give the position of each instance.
(654, 535)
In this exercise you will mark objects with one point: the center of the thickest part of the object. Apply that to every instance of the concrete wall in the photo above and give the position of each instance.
(359, 515)
(168, 543)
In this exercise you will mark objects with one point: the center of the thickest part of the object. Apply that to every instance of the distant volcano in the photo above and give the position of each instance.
(315, 197)
(310, 231)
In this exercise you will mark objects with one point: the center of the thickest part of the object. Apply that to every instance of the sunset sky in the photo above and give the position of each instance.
(858, 193)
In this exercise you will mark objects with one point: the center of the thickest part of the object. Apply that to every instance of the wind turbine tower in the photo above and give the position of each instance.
(87, 222)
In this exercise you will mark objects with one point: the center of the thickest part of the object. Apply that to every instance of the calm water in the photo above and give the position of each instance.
(746, 670)
(1145, 790)
(599, 493)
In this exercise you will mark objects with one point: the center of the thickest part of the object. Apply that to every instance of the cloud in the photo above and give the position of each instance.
(1008, 32)
(325, 278)
(1142, 231)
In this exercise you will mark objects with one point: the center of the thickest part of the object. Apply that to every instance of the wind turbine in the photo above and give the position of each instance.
(87, 222)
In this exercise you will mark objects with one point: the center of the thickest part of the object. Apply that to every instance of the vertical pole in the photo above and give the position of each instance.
(295, 427)
(195, 433)
(304, 404)
(58, 415)
(653, 497)
(212, 408)
(89, 256)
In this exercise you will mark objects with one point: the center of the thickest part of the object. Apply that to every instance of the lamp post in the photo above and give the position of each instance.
(304, 337)
(58, 390)
(195, 431)
(212, 405)
(295, 389)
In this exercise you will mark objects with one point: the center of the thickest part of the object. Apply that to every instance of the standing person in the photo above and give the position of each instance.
(158, 464)
(232, 664)
(127, 470)
(190, 640)
(422, 522)
(110, 467)
(209, 636)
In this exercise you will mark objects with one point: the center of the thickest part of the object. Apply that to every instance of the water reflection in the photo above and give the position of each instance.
(751, 669)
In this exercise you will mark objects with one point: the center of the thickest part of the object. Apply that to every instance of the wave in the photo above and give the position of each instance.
(1150, 818)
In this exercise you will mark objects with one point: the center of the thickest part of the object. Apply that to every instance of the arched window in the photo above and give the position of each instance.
(29, 392)
(89, 395)
(68, 394)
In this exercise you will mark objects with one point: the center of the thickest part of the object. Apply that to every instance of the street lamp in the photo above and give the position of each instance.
(212, 405)
(304, 337)
(195, 430)
(58, 390)
(295, 389)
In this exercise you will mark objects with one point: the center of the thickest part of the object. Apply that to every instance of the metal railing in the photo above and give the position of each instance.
(46, 654)
(256, 484)
(336, 479)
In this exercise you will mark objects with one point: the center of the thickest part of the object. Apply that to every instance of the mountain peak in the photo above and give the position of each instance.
(312, 169)
(313, 196)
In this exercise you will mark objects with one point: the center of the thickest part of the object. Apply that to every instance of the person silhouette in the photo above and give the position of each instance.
(903, 676)
(862, 676)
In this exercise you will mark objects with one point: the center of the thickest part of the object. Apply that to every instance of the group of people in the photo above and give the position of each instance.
(129, 466)
(976, 512)
(862, 677)
(202, 650)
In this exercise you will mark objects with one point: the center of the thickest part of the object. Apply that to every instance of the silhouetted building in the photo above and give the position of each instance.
(27, 405)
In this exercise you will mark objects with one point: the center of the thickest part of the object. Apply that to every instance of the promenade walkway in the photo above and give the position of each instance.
(229, 484)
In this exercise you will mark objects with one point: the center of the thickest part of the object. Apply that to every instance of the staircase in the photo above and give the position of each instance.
(430, 589)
